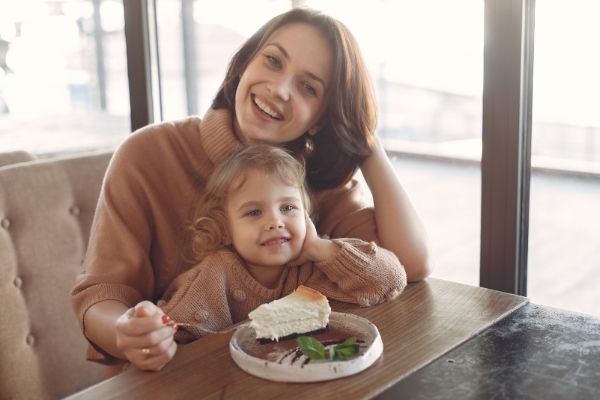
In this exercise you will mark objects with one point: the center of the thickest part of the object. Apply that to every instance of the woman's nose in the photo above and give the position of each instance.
(283, 87)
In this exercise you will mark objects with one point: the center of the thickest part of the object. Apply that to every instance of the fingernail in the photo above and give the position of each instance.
(165, 319)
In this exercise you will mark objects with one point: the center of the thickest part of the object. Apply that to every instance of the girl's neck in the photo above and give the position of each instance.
(269, 277)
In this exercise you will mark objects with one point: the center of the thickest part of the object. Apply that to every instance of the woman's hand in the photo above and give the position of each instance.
(144, 337)
(315, 248)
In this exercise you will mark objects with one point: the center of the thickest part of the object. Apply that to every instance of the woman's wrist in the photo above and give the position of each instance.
(323, 250)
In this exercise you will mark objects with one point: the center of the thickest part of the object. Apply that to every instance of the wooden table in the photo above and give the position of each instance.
(429, 319)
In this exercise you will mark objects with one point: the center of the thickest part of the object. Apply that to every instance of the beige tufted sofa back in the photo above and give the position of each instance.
(46, 209)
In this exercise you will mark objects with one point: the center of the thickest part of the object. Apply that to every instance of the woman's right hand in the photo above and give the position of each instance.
(144, 337)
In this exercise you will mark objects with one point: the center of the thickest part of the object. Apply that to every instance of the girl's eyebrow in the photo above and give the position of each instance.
(249, 204)
(256, 204)
(287, 57)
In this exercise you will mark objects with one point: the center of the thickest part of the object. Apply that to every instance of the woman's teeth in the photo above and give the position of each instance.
(266, 109)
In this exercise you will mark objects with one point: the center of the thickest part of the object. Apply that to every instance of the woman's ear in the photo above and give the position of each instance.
(313, 131)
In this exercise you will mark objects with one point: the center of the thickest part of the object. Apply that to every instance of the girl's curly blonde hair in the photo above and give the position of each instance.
(208, 229)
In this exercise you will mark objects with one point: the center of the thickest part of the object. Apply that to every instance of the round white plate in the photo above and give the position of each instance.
(281, 362)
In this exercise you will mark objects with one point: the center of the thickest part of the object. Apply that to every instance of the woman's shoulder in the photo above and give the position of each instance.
(160, 134)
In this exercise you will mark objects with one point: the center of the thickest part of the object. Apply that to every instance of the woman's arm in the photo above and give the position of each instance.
(351, 270)
(399, 227)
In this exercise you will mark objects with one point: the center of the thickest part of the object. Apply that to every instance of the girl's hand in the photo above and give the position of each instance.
(314, 249)
(145, 338)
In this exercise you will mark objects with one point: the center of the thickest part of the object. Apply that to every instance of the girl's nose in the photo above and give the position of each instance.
(274, 225)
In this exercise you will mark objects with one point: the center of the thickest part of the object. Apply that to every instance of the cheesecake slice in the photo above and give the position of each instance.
(302, 311)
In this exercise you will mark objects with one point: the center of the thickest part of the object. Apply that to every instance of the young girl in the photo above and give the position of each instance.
(300, 83)
(251, 227)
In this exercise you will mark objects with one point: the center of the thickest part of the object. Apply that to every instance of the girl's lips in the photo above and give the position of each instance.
(275, 241)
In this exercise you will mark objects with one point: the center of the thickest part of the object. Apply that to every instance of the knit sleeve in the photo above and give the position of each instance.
(361, 273)
(198, 299)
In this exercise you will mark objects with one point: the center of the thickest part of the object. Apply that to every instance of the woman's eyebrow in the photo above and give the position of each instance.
(287, 57)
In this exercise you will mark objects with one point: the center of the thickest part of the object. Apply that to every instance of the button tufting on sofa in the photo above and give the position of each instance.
(41, 248)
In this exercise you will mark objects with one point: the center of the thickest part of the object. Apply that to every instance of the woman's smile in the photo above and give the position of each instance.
(266, 109)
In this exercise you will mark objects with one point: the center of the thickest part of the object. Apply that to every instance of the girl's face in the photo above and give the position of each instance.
(282, 91)
(266, 218)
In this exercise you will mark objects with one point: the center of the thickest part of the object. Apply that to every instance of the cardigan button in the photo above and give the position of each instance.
(201, 315)
(239, 295)
(18, 282)
(5, 223)
(372, 247)
(74, 211)
(30, 340)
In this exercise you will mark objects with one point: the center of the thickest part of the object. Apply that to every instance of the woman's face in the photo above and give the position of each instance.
(281, 93)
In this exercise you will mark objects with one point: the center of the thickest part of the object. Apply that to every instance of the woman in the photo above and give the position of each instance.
(299, 82)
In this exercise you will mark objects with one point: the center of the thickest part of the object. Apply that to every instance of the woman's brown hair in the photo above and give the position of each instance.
(347, 128)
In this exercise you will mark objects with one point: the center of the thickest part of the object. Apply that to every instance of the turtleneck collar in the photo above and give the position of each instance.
(218, 138)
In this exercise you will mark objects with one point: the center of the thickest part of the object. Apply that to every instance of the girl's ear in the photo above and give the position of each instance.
(226, 241)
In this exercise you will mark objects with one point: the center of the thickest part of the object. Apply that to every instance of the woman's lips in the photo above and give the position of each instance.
(266, 109)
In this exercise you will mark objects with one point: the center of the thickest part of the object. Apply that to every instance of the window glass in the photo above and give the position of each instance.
(63, 75)
(564, 235)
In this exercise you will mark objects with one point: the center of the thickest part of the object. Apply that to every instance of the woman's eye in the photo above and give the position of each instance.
(273, 61)
(309, 88)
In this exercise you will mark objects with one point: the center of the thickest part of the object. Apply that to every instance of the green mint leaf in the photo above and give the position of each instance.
(344, 353)
(311, 347)
(345, 350)
(348, 342)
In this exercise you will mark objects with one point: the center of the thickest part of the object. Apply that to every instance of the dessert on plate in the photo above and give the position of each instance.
(303, 311)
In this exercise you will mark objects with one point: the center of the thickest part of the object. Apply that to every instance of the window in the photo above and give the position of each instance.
(63, 76)
(564, 235)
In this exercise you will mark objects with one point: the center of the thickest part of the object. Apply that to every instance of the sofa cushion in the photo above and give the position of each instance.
(13, 157)
(46, 209)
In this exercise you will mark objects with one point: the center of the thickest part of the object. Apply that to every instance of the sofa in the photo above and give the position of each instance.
(46, 209)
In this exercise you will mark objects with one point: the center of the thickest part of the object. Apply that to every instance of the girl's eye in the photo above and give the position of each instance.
(273, 61)
(253, 213)
(288, 208)
(308, 88)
